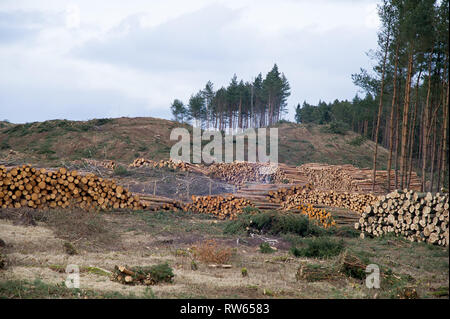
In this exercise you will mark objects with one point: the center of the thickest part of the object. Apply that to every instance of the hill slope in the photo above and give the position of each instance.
(124, 139)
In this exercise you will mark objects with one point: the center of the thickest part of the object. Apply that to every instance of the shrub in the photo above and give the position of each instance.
(357, 141)
(159, 273)
(209, 251)
(100, 122)
(121, 171)
(70, 250)
(321, 247)
(273, 223)
(345, 231)
(335, 127)
(4, 145)
(265, 248)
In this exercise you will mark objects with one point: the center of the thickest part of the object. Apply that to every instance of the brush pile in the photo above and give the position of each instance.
(223, 207)
(106, 163)
(417, 216)
(143, 162)
(142, 275)
(25, 186)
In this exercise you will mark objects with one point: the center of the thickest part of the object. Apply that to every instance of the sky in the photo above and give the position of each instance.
(85, 59)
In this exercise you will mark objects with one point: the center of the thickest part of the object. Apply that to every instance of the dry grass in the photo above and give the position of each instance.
(209, 251)
(38, 252)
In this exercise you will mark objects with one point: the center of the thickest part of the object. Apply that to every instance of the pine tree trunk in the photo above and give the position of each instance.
(425, 127)
(433, 150)
(412, 131)
(380, 108)
(444, 135)
(391, 122)
(405, 122)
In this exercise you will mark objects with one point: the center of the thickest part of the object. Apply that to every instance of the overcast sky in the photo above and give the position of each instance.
(86, 59)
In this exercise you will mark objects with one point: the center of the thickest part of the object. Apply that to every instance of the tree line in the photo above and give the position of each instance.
(240, 105)
(406, 101)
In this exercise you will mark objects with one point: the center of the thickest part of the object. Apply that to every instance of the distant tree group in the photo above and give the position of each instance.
(407, 94)
(259, 103)
(358, 115)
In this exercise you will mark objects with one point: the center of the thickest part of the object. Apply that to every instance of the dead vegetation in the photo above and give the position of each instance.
(209, 251)
(149, 238)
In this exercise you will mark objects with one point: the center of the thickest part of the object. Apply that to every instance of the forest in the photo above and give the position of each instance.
(406, 101)
(240, 105)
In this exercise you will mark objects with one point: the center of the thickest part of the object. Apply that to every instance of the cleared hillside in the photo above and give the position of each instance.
(124, 139)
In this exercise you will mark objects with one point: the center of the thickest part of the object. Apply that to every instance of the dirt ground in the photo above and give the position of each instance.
(35, 253)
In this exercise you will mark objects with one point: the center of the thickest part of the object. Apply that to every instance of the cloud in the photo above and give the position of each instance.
(134, 59)
(192, 41)
(18, 26)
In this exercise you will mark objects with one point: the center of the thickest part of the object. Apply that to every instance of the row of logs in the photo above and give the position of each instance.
(105, 163)
(295, 196)
(26, 186)
(240, 173)
(417, 216)
(143, 162)
(223, 207)
(348, 178)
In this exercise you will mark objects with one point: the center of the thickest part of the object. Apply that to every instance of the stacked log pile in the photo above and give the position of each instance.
(25, 186)
(417, 216)
(157, 203)
(177, 165)
(320, 216)
(292, 198)
(223, 207)
(346, 178)
(239, 173)
(258, 194)
(140, 162)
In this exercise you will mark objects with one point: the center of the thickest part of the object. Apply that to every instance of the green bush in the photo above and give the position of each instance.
(273, 223)
(344, 231)
(4, 145)
(336, 127)
(265, 248)
(100, 122)
(357, 141)
(121, 171)
(159, 273)
(321, 247)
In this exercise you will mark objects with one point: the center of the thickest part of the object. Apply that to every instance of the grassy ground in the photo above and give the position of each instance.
(37, 257)
(56, 142)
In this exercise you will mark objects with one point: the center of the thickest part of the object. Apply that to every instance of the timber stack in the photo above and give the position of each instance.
(26, 186)
(240, 173)
(171, 164)
(258, 194)
(292, 198)
(223, 207)
(157, 203)
(417, 216)
(346, 178)
(143, 162)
